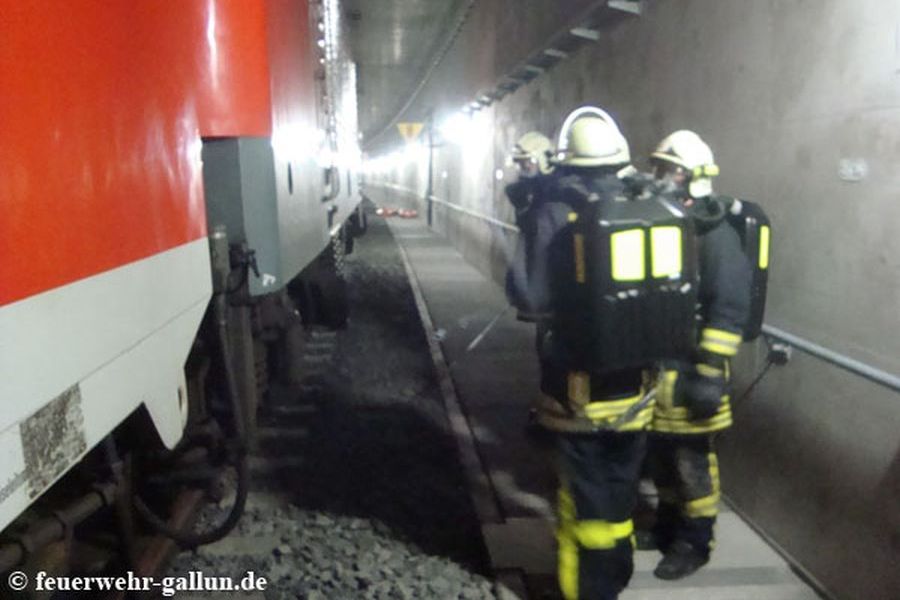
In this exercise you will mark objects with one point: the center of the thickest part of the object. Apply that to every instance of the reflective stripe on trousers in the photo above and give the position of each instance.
(579, 537)
(685, 470)
(599, 475)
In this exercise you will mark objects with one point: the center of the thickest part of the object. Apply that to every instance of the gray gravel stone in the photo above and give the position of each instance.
(380, 511)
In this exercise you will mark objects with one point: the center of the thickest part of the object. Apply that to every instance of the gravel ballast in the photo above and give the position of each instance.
(373, 504)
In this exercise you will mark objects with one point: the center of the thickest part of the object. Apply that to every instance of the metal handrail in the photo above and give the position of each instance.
(869, 372)
(477, 215)
(873, 374)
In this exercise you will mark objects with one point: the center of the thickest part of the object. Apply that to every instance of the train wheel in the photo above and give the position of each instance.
(321, 290)
(334, 306)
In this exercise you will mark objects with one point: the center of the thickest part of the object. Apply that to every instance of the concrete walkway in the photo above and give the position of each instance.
(494, 383)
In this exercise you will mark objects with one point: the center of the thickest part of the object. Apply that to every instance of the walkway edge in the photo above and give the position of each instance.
(508, 584)
(480, 492)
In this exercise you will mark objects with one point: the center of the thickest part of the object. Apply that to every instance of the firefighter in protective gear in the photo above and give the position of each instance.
(599, 464)
(531, 155)
(692, 402)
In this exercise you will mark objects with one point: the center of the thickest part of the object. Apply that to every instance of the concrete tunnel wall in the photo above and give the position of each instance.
(796, 99)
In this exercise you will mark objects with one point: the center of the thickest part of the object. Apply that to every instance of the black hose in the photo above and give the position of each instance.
(191, 539)
(758, 378)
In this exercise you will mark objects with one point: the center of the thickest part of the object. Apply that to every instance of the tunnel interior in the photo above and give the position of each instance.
(266, 301)
(798, 101)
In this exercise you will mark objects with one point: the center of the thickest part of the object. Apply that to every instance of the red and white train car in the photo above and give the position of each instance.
(107, 111)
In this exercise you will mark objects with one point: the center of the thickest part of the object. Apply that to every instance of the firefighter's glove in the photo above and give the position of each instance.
(702, 390)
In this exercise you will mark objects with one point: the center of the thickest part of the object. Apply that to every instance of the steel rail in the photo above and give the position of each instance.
(837, 359)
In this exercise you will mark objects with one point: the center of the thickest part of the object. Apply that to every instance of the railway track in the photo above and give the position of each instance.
(356, 489)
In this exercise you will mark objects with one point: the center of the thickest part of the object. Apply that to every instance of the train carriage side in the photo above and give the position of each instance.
(110, 180)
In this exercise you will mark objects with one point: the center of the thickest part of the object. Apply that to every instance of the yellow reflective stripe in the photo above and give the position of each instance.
(635, 423)
(567, 567)
(714, 471)
(602, 535)
(607, 411)
(579, 388)
(708, 371)
(573, 217)
(627, 255)
(687, 427)
(703, 507)
(665, 390)
(673, 429)
(719, 341)
(681, 412)
(704, 502)
(580, 272)
(565, 504)
(764, 235)
(708, 505)
(717, 348)
(567, 553)
(665, 246)
(682, 417)
(683, 425)
(612, 407)
(639, 422)
(674, 413)
(709, 170)
(721, 335)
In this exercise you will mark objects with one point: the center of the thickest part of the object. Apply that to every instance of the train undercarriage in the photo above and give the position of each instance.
(130, 503)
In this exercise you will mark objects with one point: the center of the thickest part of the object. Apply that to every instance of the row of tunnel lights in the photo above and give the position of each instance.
(465, 127)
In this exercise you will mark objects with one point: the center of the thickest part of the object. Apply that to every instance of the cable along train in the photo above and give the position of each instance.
(173, 182)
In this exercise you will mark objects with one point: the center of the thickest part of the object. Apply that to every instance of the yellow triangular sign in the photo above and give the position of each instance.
(410, 131)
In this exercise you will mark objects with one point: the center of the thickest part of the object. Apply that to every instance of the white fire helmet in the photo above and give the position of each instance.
(536, 147)
(589, 137)
(687, 150)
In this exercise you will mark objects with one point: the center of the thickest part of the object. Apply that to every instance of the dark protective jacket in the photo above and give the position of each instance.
(725, 273)
(573, 400)
(693, 398)
(568, 192)
(526, 195)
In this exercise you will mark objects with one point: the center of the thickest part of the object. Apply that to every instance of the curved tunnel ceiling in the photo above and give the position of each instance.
(454, 51)
(394, 42)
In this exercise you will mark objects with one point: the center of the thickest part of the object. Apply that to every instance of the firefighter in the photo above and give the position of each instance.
(531, 155)
(692, 402)
(598, 465)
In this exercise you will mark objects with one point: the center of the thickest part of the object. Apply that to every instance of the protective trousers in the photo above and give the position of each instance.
(685, 471)
(598, 492)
